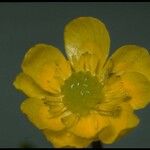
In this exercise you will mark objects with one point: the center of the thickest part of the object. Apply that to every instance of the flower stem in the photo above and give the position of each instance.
(96, 144)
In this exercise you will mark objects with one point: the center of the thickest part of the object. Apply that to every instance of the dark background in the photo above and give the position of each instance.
(24, 24)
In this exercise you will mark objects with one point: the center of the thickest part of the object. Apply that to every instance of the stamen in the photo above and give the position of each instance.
(113, 113)
(56, 108)
(69, 119)
(58, 113)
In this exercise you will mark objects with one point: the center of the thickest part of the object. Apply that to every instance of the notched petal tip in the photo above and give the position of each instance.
(120, 125)
(65, 139)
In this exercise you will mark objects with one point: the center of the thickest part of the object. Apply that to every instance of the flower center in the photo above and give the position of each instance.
(81, 92)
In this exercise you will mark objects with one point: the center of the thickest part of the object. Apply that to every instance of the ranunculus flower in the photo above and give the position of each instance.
(88, 96)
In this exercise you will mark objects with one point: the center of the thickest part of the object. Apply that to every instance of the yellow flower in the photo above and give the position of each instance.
(89, 97)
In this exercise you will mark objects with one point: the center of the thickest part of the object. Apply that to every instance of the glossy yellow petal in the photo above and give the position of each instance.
(114, 91)
(24, 83)
(133, 87)
(138, 87)
(38, 113)
(87, 43)
(88, 126)
(120, 125)
(131, 58)
(66, 139)
(47, 66)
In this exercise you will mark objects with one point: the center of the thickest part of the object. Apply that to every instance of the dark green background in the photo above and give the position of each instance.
(24, 24)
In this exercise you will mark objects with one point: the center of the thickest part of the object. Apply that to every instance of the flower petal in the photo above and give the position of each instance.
(38, 113)
(132, 87)
(47, 66)
(120, 125)
(114, 91)
(131, 58)
(24, 83)
(87, 43)
(138, 87)
(65, 139)
(88, 126)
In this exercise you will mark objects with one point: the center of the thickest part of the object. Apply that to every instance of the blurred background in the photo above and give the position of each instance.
(24, 24)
